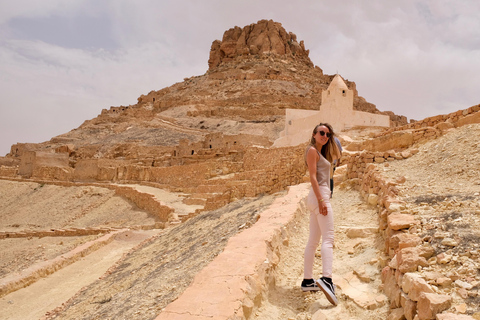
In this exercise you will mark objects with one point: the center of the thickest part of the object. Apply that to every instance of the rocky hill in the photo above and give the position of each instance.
(211, 128)
(254, 74)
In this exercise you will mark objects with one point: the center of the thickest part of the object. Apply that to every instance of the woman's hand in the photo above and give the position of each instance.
(322, 207)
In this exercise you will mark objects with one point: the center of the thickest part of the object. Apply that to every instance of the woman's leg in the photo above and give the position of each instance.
(320, 227)
(312, 244)
(325, 224)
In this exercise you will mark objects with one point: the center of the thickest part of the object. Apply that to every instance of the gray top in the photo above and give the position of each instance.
(323, 169)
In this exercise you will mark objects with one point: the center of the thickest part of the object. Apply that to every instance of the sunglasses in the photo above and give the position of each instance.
(322, 133)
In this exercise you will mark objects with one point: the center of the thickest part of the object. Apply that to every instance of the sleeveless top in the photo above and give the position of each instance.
(323, 169)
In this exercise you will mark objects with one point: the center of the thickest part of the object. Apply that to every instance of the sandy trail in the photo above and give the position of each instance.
(173, 199)
(356, 268)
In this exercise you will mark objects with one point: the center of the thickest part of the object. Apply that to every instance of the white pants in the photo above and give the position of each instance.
(320, 227)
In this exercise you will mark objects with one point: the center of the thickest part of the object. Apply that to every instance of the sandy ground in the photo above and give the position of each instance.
(33, 206)
(28, 206)
(50, 292)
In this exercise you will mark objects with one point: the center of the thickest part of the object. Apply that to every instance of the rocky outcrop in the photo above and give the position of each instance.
(265, 36)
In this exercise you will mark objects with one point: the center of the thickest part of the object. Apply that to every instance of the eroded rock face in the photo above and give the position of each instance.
(265, 36)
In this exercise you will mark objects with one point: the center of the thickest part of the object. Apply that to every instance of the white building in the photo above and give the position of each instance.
(336, 109)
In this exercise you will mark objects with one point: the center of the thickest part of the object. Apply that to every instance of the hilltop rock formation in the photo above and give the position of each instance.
(265, 36)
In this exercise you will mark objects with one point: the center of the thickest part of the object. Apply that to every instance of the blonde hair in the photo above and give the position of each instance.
(330, 150)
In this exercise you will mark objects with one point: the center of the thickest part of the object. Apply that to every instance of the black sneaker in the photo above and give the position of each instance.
(328, 288)
(309, 285)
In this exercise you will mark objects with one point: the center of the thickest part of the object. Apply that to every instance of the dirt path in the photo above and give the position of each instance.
(356, 269)
(173, 199)
(48, 293)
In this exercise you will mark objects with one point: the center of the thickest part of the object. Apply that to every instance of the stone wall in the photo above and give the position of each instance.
(401, 138)
(212, 177)
(409, 293)
(457, 118)
(411, 296)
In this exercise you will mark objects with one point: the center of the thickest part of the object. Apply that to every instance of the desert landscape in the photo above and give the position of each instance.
(183, 195)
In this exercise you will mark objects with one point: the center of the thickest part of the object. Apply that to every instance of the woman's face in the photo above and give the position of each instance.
(322, 139)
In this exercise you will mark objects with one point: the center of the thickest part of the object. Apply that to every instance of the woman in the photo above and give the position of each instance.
(319, 155)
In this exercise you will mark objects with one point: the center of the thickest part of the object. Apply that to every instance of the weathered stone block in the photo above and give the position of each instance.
(414, 285)
(429, 304)
(399, 221)
(404, 240)
(409, 259)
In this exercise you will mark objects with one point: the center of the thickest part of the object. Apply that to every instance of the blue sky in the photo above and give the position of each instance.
(63, 61)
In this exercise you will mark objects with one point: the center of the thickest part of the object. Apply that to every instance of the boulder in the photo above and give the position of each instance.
(429, 304)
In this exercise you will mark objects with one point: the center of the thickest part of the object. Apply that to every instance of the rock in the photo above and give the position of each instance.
(404, 240)
(401, 180)
(372, 199)
(408, 259)
(360, 232)
(449, 242)
(453, 316)
(396, 314)
(360, 293)
(414, 285)
(444, 282)
(462, 292)
(444, 126)
(399, 221)
(432, 275)
(469, 119)
(410, 308)
(390, 286)
(443, 258)
(429, 304)
(405, 154)
(441, 234)
(463, 284)
(393, 205)
(461, 308)
(362, 275)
